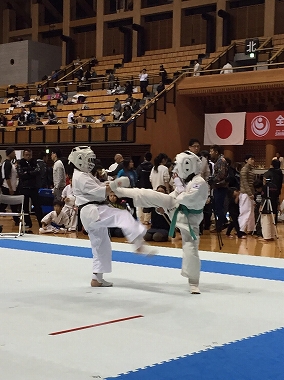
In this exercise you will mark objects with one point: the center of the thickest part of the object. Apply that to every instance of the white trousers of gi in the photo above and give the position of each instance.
(267, 226)
(151, 198)
(73, 217)
(96, 220)
(246, 217)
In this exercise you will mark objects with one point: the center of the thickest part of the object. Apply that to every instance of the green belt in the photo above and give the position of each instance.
(184, 210)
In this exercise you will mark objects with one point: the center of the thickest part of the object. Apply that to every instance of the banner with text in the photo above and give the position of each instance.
(265, 125)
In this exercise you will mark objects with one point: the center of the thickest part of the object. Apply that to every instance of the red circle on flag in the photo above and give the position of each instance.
(224, 128)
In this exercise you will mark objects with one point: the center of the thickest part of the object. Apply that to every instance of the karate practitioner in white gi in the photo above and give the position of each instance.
(97, 216)
(184, 206)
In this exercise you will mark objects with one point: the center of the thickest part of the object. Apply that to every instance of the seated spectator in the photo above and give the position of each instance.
(22, 118)
(77, 61)
(71, 119)
(3, 120)
(69, 208)
(128, 88)
(116, 110)
(160, 88)
(101, 118)
(115, 202)
(117, 88)
(52, 118)
(93, 73)
(31, 117)
(128, 101)
(160, 223)
(80, 121)
(55, 221)
(126, 114)
(135, 106)
(87, 75)
(38, 121)
(79, 74)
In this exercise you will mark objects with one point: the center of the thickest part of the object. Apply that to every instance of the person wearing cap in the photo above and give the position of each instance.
(246, 198)
(10, 180)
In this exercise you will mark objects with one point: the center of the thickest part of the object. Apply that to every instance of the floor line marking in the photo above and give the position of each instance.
(96, 325)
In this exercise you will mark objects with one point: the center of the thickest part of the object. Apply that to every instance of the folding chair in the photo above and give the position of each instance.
(14, 200)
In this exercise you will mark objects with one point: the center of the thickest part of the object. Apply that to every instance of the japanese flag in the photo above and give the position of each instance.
(224, 128)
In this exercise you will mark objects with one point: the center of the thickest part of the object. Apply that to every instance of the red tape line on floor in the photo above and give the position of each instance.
(95, 325)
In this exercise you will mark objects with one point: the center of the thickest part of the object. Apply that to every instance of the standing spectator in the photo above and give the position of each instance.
(59, 175)
(143, 77)
(143, 172)
(269, 191)
(194, 147)
(219, 185)
(257, 200)
(246, 217)
(227, 69)
(143, 181)
(280, 159)
(43, 177)
(160, 174)
(10, 181)
(116, 166)
(163, 74)
(111, 80)
(28, 171)
(128, 171)
(234, 211)
(196, 69)
(276, 174)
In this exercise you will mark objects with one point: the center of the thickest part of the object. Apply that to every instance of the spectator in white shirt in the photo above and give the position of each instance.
(227, 69)
(196, 69)
(59, 175)
(71, 117)
(143, 77)
(160, 174)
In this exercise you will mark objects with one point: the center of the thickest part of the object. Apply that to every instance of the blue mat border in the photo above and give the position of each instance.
(234, 269)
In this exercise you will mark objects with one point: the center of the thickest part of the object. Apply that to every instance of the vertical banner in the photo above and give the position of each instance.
(224, 128)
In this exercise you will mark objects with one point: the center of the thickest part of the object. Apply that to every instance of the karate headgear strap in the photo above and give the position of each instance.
(187, 165)
(83, 158)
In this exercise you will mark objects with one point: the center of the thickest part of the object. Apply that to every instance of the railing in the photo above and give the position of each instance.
(110, 132)
(222, 58)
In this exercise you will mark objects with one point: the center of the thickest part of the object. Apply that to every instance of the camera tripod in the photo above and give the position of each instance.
(217, 226)
(267, 204)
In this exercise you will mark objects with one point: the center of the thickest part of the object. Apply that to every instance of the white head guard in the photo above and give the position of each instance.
(187, 164)
(83, 158)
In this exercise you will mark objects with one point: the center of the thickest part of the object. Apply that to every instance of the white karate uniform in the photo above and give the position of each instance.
(96, 219)
(60, 219)
(193, 197)
(70, 208)
(246, 217)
